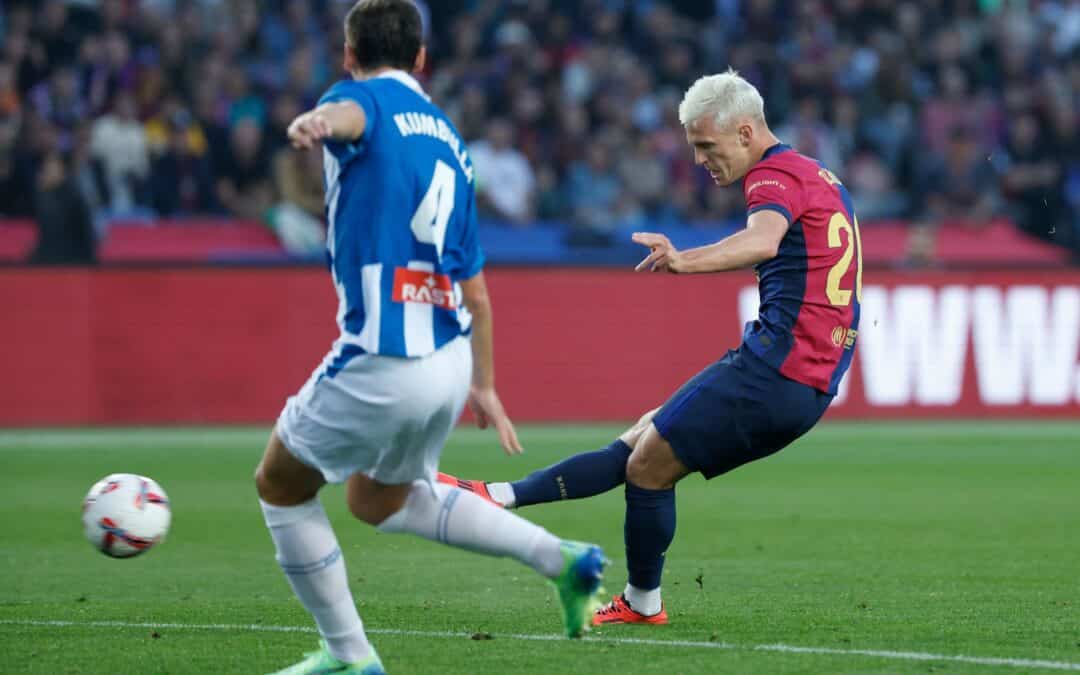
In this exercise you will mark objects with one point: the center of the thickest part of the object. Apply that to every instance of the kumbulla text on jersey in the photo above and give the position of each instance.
(410, 123)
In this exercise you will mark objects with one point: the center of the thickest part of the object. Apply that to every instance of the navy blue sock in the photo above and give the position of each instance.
(648, 531)
(584, 475)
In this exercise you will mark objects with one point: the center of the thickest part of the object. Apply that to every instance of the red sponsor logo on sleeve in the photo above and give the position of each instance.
(424, 287)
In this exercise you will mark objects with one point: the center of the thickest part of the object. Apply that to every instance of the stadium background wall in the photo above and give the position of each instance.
(194, 345)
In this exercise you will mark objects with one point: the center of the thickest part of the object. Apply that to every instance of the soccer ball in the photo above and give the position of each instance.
(124, 515)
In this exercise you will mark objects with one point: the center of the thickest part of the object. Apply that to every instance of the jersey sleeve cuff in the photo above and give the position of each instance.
(344, 152)
(772, 207)
(347, 151)
(472, 270)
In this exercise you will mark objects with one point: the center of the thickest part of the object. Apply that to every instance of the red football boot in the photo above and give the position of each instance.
(477, 487)
(619, 611)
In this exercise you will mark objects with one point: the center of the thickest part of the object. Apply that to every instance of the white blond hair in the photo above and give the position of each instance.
(727, 95)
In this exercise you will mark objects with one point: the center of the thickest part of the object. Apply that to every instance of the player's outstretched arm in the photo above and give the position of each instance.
(338, 121)
(483, 401)
(757, 243)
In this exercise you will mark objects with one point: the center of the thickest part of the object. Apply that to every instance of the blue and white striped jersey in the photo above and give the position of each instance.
(401, 214)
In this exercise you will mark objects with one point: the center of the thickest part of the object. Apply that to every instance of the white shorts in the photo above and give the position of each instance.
(383, 416)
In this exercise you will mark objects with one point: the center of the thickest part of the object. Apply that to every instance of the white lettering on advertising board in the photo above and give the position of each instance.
(914, 340)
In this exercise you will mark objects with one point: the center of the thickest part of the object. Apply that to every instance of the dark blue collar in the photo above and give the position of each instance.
(776, 149)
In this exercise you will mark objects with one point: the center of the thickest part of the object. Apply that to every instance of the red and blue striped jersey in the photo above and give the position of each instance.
(810, 292)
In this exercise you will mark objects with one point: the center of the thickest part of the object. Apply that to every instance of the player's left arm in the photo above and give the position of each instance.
(483, 400)
(342, 121)
(760, 241)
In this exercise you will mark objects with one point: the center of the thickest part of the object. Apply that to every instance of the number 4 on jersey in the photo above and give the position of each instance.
(429, 222)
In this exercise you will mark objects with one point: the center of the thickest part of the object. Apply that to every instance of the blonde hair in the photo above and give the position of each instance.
(726, 95)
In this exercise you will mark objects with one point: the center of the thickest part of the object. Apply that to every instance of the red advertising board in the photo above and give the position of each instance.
(194, 345)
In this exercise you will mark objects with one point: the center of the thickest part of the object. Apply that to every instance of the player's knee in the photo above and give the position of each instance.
(262, 481)
(653, 465)
(637, 469)
(276, 486)
(269, 486)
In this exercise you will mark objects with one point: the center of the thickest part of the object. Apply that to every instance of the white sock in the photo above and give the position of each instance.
(308, 553)
(642, 601)
(461, 519)
(503, 493)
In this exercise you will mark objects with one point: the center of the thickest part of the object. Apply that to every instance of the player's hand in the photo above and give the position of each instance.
(308, 130)
(663, 256)
(488, 409)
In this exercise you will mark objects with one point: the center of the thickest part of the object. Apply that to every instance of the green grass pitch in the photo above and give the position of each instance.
(864, 548)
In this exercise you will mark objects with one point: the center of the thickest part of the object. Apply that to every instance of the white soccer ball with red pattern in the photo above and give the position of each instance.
(124, 515)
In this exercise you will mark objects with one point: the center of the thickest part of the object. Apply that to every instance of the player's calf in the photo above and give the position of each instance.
(464, 520)
(576, 477)
(373, 502)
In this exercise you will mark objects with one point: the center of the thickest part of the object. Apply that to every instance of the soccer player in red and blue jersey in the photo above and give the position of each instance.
(802, 240)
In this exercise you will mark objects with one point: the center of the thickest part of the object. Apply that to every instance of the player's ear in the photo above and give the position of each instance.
(348, 58)
(746, 134)
(421, 59)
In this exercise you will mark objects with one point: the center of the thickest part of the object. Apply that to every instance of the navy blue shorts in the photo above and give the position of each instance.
(735, 411)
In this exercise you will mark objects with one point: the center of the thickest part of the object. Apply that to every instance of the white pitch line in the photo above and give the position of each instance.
(782, 648)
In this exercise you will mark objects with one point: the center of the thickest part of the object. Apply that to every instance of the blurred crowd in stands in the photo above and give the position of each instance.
(930, 111)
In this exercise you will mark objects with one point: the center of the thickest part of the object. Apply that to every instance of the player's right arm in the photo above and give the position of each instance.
(342, 121)
(774, 200)
(483, 401)
(759, 242)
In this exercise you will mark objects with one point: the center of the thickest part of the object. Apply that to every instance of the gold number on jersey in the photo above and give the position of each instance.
(852, 249)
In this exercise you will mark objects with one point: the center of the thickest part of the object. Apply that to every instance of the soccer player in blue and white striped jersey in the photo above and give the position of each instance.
(415, 345)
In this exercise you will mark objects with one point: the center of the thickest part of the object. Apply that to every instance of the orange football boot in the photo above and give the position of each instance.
(619, 611)
(477, 487)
